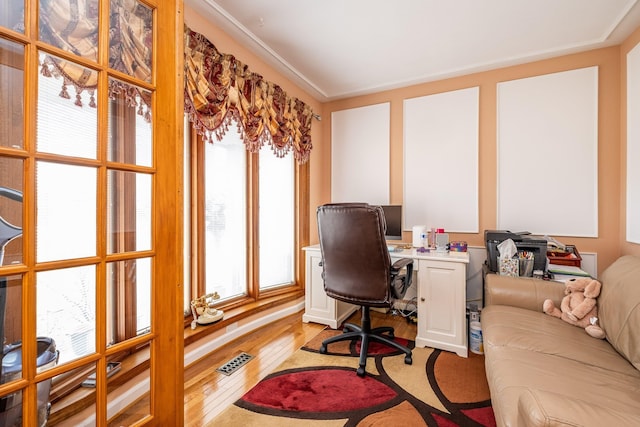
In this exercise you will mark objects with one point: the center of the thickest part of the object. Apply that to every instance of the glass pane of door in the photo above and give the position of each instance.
(67, 113)
(139, 398)
(66, 214)
(128, 212)
(66, 309)
(130, 138)
(129, 285)
(11, 323)
(11, 93)
(11, 211)
(131, 40)
(71, 26)
(12, 15)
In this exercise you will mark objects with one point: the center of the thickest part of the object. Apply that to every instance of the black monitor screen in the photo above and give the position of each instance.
(393, 216)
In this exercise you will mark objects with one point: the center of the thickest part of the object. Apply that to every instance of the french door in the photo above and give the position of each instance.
(90, 227)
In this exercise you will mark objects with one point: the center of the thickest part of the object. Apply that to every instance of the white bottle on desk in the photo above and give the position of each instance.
(418, 238)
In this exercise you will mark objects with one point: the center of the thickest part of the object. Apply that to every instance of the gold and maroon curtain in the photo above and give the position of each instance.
(220, 90)
(73, 26)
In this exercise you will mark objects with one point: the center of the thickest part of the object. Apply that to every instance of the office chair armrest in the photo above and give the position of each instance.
(401, 282)
(400, 264)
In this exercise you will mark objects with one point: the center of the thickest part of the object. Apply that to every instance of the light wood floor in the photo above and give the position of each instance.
(208, 392)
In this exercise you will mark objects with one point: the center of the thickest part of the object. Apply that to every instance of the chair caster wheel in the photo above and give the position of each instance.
(360, 371)
(408, 360)
(323, 349)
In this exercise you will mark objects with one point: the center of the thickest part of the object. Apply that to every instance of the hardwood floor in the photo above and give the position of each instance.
(208, 392)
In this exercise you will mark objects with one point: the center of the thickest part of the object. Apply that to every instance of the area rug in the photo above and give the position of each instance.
(312, 389)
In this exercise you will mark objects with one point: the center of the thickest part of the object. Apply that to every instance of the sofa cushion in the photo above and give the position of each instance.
(543, 408)
(543, 371)
(506, 326)
(619, 306)
(513, 373)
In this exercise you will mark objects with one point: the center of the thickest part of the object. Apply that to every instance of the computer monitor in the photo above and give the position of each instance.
(393, 216)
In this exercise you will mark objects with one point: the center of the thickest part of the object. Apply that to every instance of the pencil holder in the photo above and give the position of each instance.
(526, 267)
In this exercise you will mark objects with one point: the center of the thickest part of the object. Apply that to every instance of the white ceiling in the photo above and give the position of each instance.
(340, 48)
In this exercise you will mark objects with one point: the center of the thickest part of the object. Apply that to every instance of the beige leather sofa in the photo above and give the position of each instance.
(543, 371)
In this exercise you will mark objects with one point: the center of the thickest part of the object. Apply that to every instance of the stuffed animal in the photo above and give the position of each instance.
(579, 307)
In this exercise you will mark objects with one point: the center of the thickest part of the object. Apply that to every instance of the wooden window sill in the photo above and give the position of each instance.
(70, 398)
(232, 315)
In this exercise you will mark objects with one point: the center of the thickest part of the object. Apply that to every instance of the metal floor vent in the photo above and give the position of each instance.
(234, 364)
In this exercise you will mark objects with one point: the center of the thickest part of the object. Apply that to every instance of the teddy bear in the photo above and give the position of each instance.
(578, 307)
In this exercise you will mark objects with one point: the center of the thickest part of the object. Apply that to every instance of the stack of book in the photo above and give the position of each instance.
(562, 273)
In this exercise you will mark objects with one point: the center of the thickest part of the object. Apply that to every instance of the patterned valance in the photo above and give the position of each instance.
(219, 90)
(84, 80)
(73, 26)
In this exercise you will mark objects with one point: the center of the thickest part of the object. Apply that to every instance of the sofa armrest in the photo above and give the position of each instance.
(523, 292)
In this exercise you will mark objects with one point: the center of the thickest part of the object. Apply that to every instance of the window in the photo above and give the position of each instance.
(276, 216)
(225, 216)
(246, 220)
(250, 210)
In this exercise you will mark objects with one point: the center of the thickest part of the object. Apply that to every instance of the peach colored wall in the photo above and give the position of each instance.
(608, 61)
(626, 248)
(611, 134)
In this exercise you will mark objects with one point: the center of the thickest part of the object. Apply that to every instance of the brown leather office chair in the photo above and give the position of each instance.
(357, 269)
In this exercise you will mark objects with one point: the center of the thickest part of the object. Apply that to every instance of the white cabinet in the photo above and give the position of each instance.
(441, 305)
(320, 308)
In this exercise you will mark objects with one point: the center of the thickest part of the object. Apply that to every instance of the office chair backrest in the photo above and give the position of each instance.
(356, 261)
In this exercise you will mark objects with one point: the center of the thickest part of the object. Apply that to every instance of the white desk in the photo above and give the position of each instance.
(441, 282)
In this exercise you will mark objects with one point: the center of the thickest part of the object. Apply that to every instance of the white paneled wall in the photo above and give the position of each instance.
(360, 154)
(441, 160)
(548, 133)
(633, 145)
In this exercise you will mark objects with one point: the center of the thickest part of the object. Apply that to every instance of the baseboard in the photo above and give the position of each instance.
(201, 348)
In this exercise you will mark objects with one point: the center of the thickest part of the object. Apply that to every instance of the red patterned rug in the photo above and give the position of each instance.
(439, 389)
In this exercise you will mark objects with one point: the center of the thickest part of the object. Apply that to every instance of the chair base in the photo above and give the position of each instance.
(366, 334)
